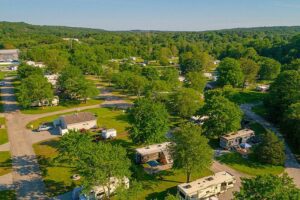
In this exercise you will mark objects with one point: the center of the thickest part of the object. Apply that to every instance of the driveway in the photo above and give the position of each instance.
(292, 167)
(26, 177)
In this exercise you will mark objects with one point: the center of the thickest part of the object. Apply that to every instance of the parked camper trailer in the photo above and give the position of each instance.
(206, 187)
(100, 192)
(109, 133)
(236, 138)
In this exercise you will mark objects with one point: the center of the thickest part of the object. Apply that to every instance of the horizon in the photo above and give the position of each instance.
(159, 15)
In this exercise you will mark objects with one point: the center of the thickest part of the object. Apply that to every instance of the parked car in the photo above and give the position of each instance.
(44, 128)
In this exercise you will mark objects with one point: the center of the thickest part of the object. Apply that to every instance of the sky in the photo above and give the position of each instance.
(173, 15)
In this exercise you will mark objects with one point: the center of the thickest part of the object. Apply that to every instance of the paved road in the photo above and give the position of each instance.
(26, 177)
(292, 167)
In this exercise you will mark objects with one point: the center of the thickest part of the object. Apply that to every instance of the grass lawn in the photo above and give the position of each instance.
(8, 195)
(260, 110)
(5, 163)
(57, 177)
(247, 96)
(62, 106)
(249, 166)
(3, 132)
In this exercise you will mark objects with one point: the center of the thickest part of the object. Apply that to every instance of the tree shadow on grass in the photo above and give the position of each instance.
(162, 194)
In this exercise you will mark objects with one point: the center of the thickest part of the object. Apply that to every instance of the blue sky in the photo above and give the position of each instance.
(182, 15)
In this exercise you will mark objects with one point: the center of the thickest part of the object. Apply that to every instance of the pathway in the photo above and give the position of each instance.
(292, 167)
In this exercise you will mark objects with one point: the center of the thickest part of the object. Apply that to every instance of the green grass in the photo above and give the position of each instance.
(8, 195)
(56, 176)
(3, 132)
(249, 166)
(62, 106)
(247, 96)
(5, 163)
(260, 110)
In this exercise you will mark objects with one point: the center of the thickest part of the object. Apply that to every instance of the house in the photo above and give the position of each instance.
(35, 64)
(76, 121)
(206, 187)
(263, 88)
(46, 102)
(237, 138)
(100, 192)
(52, 78)
(156, 156)
(109, 133)
(9, 55)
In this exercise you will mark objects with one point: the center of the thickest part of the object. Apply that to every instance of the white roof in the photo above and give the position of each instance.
(9, 51)
(240, 133)
(155, 148)
(200, 184)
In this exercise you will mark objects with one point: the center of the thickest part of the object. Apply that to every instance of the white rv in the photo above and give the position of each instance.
(100, 192)
(109, 133)
(204, 188)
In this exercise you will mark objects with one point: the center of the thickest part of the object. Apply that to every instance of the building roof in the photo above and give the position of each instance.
(9, 51)
(205, 182)
(78, 117)
(155, 148)
(240, 133)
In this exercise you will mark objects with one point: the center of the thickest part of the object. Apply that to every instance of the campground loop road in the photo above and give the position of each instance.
(292, 167)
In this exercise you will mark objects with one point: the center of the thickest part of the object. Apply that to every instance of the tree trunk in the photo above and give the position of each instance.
(188, 177)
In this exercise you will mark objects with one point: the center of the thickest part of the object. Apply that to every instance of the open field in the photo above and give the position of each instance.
(249, 166)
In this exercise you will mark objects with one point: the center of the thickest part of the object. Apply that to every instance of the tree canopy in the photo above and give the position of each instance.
(230, 73)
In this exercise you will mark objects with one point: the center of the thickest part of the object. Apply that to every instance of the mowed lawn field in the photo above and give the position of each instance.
(5, 163)
(57, 176)
(3, 132)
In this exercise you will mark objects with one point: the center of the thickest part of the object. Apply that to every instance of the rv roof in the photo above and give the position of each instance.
(239, 133)
(217, 178)
(153, 148)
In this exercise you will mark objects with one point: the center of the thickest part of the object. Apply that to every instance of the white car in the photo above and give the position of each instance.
(44, 128)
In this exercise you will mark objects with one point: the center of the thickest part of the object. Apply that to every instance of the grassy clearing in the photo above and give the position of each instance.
(249, 166)
(62, 106)
(260, 110)
(8, 195)
(247, 96)
(5, 163)
(3, 132)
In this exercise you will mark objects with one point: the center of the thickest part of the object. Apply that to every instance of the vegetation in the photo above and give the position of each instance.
(149, 121)
(270, 150)
(223, 116)
(5, 163)
(190, 150)
(249, 166)
(3, 132)
(8, 195)
(268, 187)
(230, 73)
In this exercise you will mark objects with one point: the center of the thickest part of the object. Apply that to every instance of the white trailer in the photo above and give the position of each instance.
(206, 187)
(109, 133)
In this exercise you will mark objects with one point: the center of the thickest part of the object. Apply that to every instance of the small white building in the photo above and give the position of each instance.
(109, 133)
(9, 55)
(35, 64)
(204, 188)
(71, 39)
(76, 121)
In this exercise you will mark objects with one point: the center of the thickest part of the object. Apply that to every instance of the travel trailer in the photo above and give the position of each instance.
(235, 139)
(204, 188)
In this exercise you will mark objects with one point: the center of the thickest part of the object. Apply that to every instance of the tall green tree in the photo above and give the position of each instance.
(250, 70)
(34, 89)
(196, 80)
(224, 116)
(190, 150)
(149, 120)
(270, 150)
(197, 61)
(268, 187)
(230, 73)
(26, 70)
(269, 69)
(186, 101)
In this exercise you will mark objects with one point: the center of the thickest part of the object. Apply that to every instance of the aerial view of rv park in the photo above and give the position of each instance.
(182, 113)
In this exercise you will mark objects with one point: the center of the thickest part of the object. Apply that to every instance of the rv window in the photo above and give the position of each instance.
(100, 194)
(230, 183)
